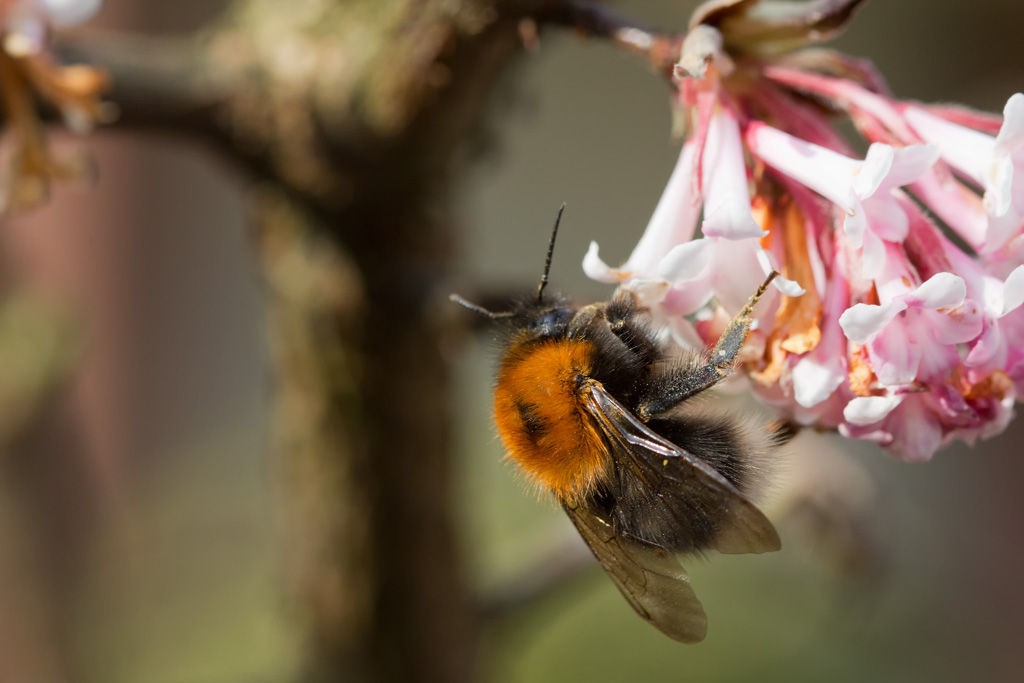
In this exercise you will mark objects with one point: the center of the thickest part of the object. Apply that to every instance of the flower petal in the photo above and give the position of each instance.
(596, 269)
(873, 171)
(895, 355)
(788, 287)
(1011, 134)
(674, 218)
(887, 218)
(988, 345)
(910, 163)
(942, 290)
(955, 204)
(687, 261)
(866, 410)
(966, 149)
(815, 379)
(731, 219)
(784, 285)
(918, 433)
(828, 173)
(724, 172)
(862, 322)
(855, 223)
(688, 298)
(1013, 290)
(873, 257)
(735, 272)
(999, 194)
(1001, 229)
(64, 13)
(957, 326)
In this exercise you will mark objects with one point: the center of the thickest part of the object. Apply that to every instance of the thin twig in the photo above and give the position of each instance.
(158, 82)
(171, 84)
(593, 19)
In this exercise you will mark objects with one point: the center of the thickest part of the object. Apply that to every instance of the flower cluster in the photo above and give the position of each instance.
(28, 72)
(884, 325)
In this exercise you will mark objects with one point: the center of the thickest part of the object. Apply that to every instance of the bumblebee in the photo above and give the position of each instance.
(596, 408)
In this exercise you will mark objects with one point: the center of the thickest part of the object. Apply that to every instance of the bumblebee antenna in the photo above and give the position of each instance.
(455, 298)
(551, 251)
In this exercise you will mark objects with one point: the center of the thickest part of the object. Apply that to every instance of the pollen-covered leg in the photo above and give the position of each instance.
(681, 383)
(627, 321)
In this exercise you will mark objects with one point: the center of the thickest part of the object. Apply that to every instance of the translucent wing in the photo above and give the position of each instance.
(652, 580)
(666, 497)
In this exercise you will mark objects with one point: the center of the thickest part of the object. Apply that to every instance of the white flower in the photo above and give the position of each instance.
(996, 164)
(726, 192)
(64, 13)
(728, 263)
(863, 190)
(672, 223)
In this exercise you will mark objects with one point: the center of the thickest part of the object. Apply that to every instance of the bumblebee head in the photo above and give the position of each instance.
(551, 322)
(529, 320)
(544, 320)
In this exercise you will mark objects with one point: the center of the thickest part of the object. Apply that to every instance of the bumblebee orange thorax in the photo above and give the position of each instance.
(540, 418)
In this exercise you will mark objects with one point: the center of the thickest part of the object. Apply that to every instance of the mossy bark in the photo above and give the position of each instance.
(353, 115)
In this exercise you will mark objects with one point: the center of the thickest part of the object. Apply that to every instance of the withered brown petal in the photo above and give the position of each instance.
(771, 26)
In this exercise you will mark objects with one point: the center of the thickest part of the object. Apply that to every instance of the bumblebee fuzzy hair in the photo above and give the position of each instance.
(597, 408)
(742, 447)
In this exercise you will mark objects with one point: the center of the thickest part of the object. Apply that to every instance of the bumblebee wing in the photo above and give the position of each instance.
(689, 506)
(652, 580)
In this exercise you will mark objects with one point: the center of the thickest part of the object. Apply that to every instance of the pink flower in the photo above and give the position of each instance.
(863, 190)
(913, 336)
(679, 274)
(64, 13)
(28, 71)
(25, 23)
(672, 224)
(995, 164)
(882, 328)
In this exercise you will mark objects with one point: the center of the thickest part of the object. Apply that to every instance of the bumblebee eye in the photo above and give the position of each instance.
(551, 323)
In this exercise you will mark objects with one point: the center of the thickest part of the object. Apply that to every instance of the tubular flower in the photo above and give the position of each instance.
(28, 71)
(885, 325)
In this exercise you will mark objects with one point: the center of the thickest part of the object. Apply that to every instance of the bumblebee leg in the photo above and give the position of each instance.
(626, 320)
(679, 385)
(581, 322)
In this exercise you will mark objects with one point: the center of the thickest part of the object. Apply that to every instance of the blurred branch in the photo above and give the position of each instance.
(354, 115)
(181, 86)
(597, 20)
(229, 87)
(159, 82)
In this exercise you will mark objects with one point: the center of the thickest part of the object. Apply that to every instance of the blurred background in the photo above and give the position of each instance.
(140, 538)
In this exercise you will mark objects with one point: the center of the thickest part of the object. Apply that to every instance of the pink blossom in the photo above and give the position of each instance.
(995, 164)
(24, 24)
(672, 224)
(681, 274)
(863, 190)
(913, 335)
(882, 327)
(31, 73)
(64, 13)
